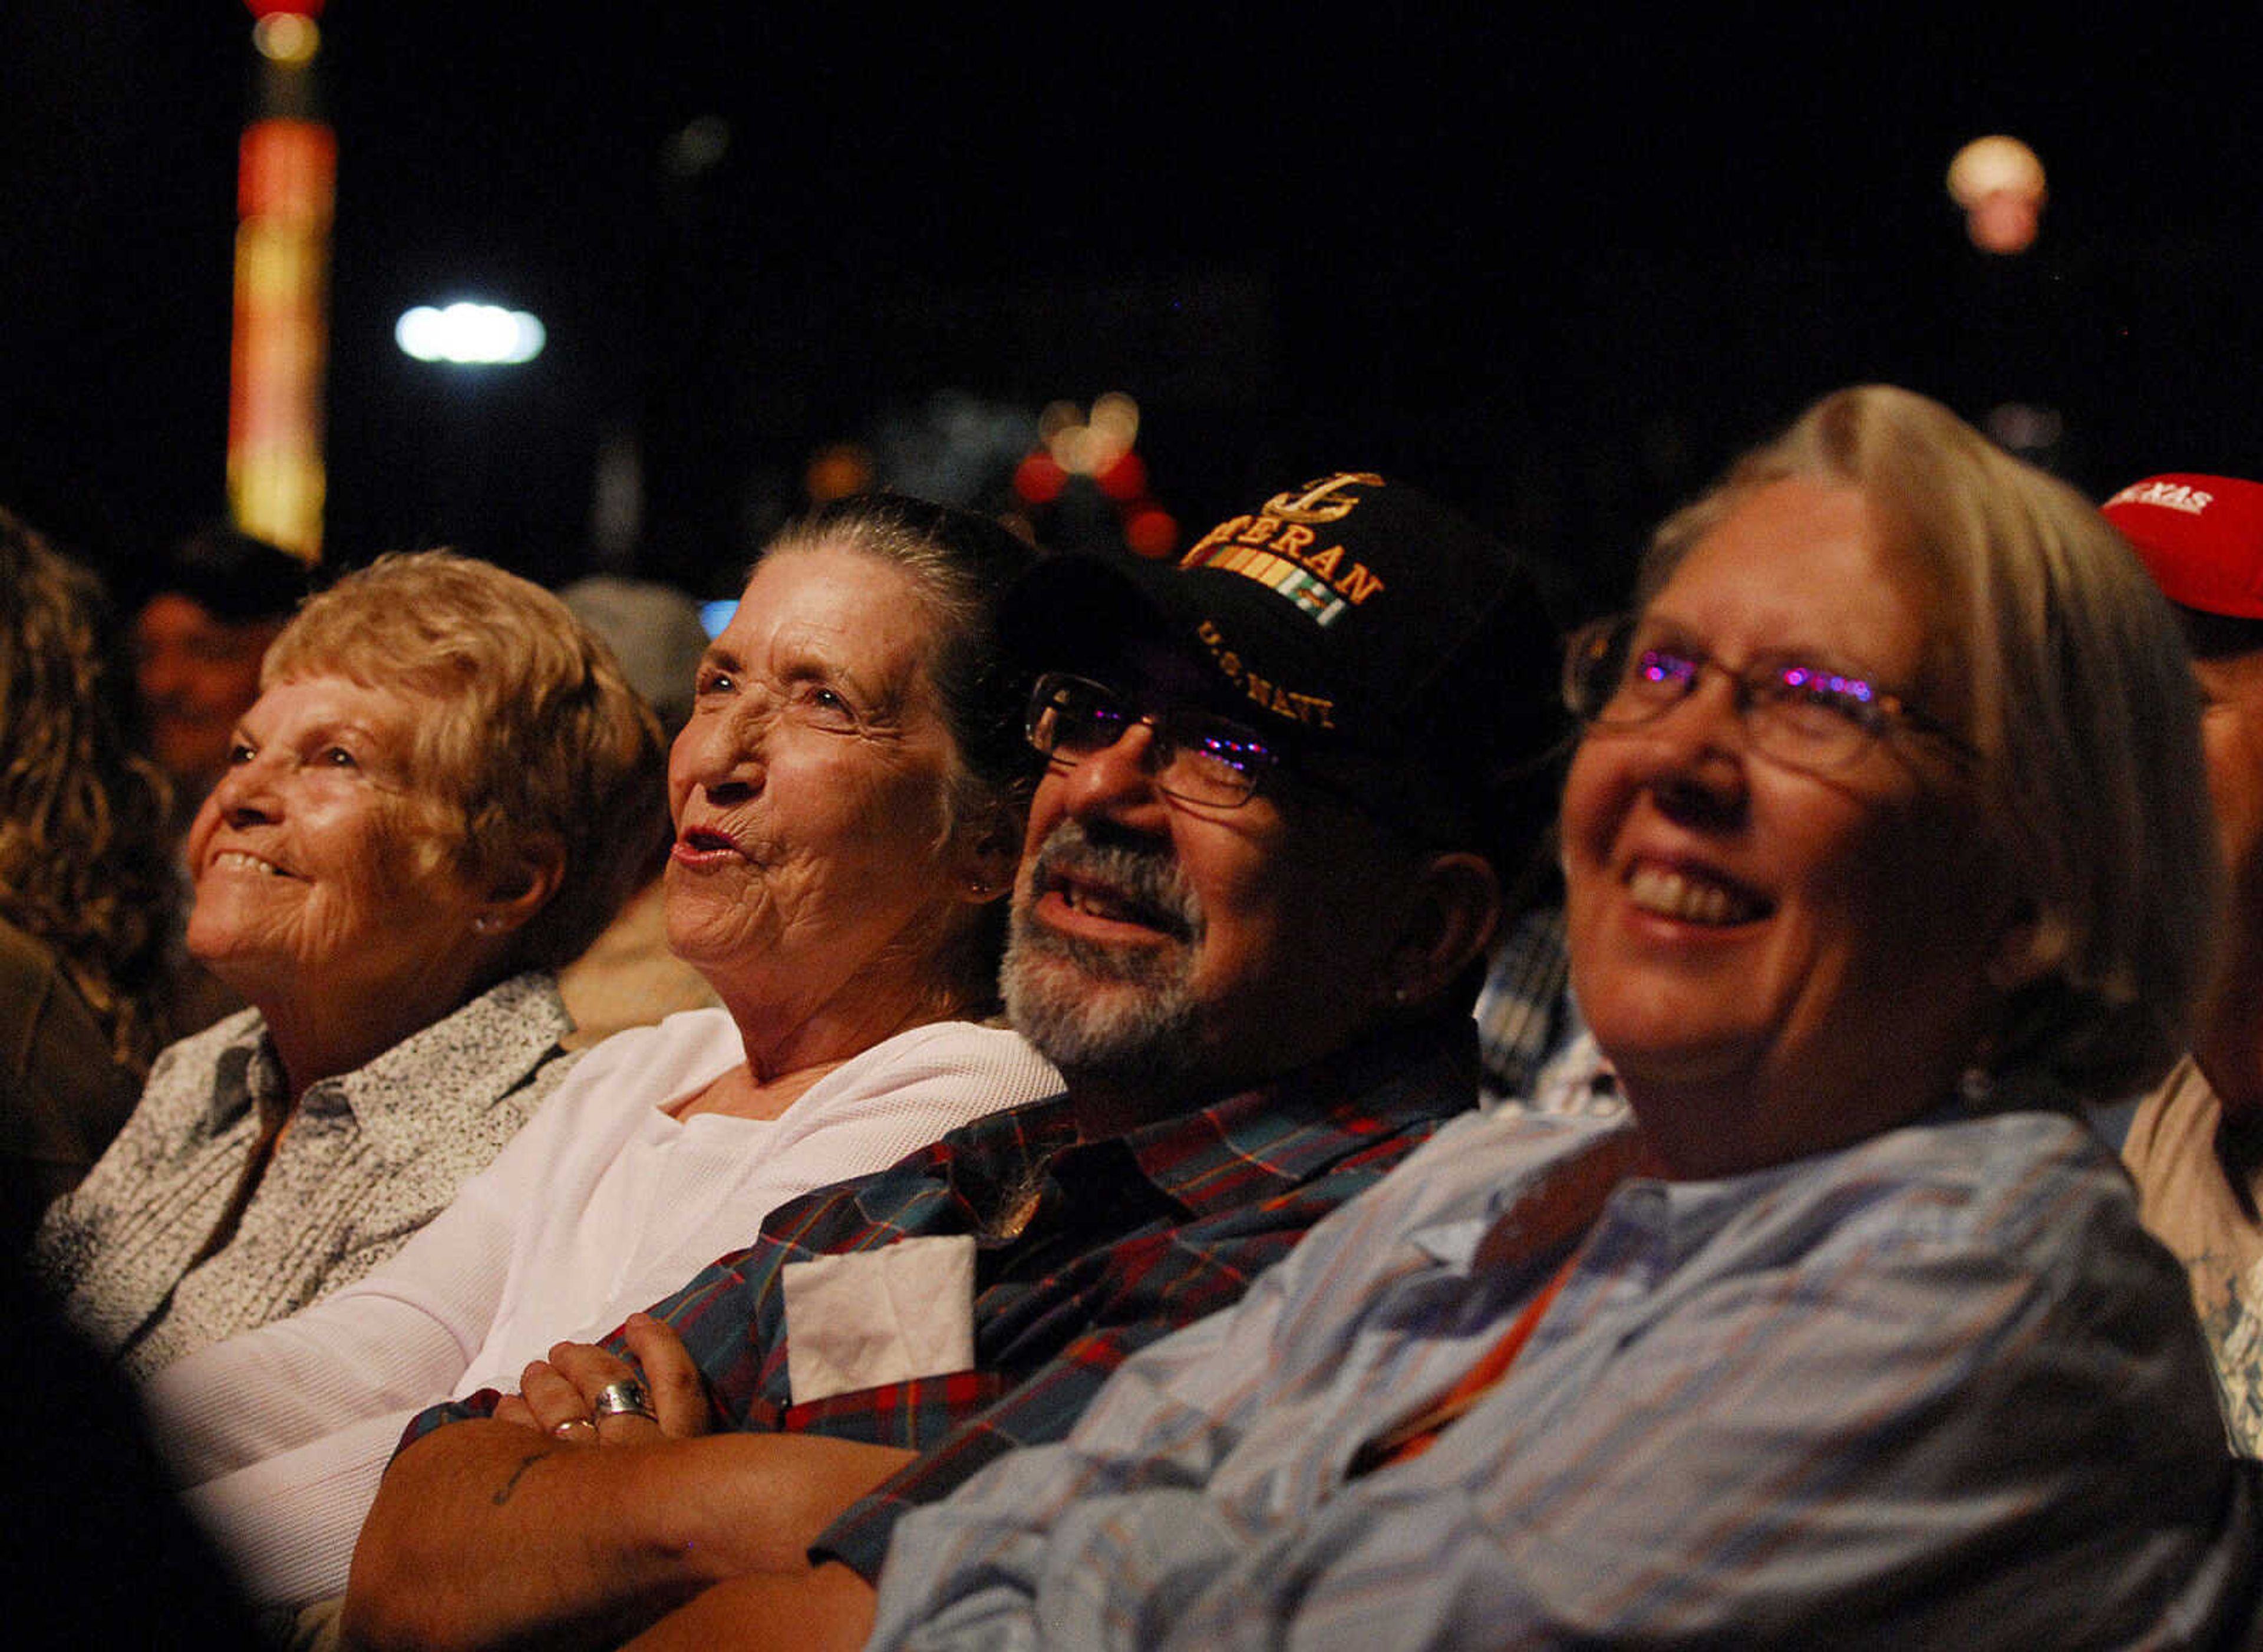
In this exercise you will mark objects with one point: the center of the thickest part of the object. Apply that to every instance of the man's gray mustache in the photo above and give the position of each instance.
(1147, 880)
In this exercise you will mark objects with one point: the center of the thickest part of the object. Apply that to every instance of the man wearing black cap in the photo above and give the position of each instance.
(2196, 1144)
(1288, 779)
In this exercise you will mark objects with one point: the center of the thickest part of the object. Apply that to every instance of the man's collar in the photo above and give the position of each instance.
(1270, 1138)
(1245, 1147)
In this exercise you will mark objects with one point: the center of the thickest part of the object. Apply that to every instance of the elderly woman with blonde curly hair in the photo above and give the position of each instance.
(84, 883)
(444, 791)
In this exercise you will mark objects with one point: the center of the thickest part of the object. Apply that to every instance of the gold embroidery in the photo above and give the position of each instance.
(1321, 501)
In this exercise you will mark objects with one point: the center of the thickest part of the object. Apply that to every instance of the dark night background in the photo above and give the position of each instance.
(1556, 271)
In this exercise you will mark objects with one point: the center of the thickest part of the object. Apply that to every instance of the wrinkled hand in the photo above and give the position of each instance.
(558, 1395)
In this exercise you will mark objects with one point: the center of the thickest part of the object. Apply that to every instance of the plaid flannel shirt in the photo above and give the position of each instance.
(1525, 1014)
(1131, 1236)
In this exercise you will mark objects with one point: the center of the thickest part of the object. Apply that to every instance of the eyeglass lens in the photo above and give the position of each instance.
(1196, 757)
(1801, 713)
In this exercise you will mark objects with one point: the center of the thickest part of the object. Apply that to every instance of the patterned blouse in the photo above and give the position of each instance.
(371, 1156)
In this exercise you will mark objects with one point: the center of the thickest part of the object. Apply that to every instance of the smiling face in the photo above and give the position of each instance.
(1778, 961)
(1170, 952)
(320, 882)
(817, 868)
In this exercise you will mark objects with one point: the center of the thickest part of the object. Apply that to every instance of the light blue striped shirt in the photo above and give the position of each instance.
(1937, 1389)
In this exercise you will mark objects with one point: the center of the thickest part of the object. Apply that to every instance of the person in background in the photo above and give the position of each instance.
(848, 789)
(441, 792)
(215, 602)
(1262, 866)
(1884, 847)
(653, 630)
(2195, 1145)
(85, 885)
(628, 977)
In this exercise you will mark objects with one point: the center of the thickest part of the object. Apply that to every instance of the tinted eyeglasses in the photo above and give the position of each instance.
(1194, 756)
(1622, 673)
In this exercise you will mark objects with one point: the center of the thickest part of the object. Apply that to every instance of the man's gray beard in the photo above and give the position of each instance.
(1124, 1013)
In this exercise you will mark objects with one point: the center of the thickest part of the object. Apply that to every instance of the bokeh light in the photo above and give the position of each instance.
(470, 335)
(285, 37)
(1999, 182)
(836, 471)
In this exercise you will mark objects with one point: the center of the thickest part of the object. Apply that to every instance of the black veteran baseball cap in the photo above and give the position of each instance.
(1352, 613)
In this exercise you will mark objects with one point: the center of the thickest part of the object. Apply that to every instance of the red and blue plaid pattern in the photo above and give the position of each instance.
(1131, 1237)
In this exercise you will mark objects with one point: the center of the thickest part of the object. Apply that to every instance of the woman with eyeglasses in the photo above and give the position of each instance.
(1886, 845)
(1858, 828)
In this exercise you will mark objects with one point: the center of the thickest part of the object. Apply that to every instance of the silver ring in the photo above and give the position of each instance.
(628, 1397)
(565, 1431)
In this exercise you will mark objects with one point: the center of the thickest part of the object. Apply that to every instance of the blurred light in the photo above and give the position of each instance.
(2024, 429)
(287, 169)
(1057, 417)
(1038, 479)
(617, 498)
(715, 617)
(286, 175)
(836, 472)
(1151, 533)
(273, 8)
(1076, 450)
(285, 37)
(953, 447)
(2003, 224)
(1125, 480)
(1999, 182)
(470, 335)
(698, 147)
(1116, 415)
(1986, 165)
(1090, 447)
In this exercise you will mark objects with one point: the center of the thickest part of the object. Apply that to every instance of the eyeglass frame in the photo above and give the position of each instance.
(1168, 725)
(1881, 710)
(1356, 794)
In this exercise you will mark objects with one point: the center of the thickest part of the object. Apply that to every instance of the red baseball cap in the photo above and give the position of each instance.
(2199, 536)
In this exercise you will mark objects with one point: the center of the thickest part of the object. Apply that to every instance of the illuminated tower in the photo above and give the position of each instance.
(286, 184)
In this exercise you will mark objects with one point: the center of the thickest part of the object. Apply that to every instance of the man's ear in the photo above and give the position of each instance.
(1450, 919)
(522, 886)
(989, 855)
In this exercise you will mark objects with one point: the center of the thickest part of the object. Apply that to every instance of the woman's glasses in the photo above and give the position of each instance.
(1620, 673)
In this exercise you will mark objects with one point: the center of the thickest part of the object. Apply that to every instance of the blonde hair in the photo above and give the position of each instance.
(530, 735)
(83, 867)
(2077, 693)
